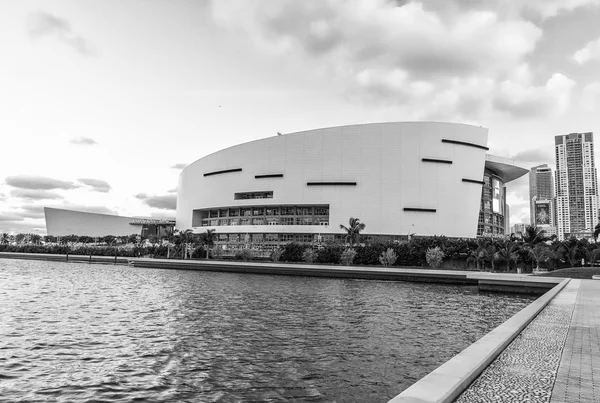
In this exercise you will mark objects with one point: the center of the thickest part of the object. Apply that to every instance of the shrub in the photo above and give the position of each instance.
(388, 257)
(243, 254)
(369, 254)
(292, 252)
(347, 257)
(330, 254)
(276, 255)
(309, 255)
(434, 257)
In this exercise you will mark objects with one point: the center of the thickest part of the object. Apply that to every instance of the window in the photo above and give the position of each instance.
(287, 211)
(321, 211)
(253, 195)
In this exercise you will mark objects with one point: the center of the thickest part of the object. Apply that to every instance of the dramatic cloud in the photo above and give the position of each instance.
(33, 194)
(179, 165)
(83, 141)
(164, 202)
(38, 183)
(458, 60)
(43, 24)
(97, 185)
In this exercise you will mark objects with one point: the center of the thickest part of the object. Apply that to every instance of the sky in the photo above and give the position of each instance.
(102, 103)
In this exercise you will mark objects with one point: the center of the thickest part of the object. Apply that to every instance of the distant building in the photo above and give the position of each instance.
(576, 185)
(541, 187)
(518, 230)
(61, 222)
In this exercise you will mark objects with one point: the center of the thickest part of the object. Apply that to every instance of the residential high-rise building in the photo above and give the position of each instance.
(576, 185)
(541, 187)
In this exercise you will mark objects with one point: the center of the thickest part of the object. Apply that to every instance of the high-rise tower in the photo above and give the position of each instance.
(576, 185)
(541, 187)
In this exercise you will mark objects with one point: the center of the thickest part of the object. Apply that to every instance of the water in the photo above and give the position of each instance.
(73, 332)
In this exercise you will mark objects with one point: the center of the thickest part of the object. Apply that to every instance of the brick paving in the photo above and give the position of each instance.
(578, 378)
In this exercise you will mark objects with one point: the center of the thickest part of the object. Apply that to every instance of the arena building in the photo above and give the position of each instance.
(61, 222)
(422, 178)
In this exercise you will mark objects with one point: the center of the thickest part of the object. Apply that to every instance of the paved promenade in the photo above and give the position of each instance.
(578, 378)
(555, 359)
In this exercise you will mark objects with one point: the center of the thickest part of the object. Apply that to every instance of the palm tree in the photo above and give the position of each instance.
(508, 254)
(483, 253)
(353, 230)
(539, 253)
(534, 235)
(207, 239)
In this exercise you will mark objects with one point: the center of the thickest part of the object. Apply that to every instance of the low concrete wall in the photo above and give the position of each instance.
(64, 258)
(368, 273)
(448, 381)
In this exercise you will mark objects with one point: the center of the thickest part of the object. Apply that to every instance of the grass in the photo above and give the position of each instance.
(574, 272)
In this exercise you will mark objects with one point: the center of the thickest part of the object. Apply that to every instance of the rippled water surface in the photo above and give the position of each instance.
(73, 332)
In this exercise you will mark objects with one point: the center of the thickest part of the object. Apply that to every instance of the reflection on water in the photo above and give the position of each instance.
(74, 332)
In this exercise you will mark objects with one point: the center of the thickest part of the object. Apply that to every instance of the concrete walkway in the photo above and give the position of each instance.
(578, 378)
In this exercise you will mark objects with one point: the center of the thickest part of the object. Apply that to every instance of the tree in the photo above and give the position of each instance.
(508, 254)
(539, 253)
(483, 253)
(353, 230)
(596, 232)
(35, 239)
(534, 235)
(207, 240)
(4, 238)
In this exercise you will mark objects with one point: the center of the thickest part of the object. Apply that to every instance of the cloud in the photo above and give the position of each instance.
(526, 100)
(589, 52)
(590, 96)
(32, 211)
(34, 194)
(174, 190)
(10, 217)
(459, 60)
(179, 165)
(162, 214)
(532, 9)
(164, 202)
(42, 24)
(535, 156)
(84, 141)
(38, 183)
(97, 185)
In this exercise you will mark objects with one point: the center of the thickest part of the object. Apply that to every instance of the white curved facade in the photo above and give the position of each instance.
(398, 178)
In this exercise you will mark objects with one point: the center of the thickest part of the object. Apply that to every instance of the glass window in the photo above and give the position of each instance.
(286, 237)
(258, 211)
(321, 211)
(286, 221)
(244, 221)
(287, 211)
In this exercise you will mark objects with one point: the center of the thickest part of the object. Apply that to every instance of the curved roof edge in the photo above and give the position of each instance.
(506, 168)
(334, 127)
